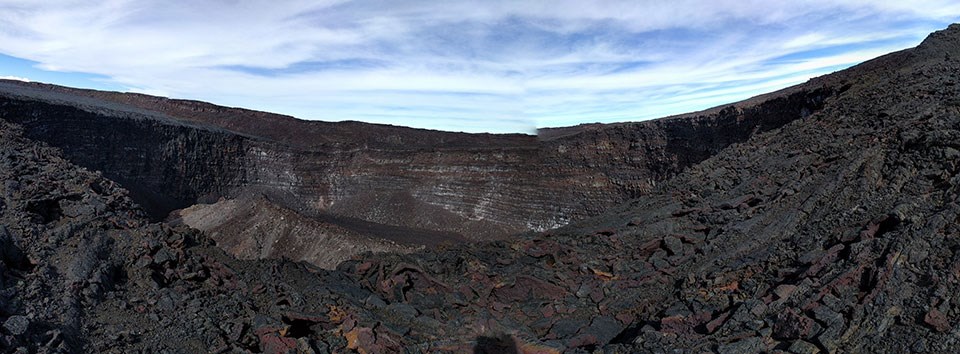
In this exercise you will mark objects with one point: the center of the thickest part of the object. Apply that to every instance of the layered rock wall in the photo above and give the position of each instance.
(497, 186)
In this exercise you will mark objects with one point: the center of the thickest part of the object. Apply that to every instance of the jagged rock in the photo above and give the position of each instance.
(791, 325)
(803, 347)
(835, 324)
(936, 320)
(784, 291)
(673, 245)
(16, 325)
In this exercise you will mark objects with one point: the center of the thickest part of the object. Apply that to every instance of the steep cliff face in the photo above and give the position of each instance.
(166, 165)
(632, 158)
(173, 154)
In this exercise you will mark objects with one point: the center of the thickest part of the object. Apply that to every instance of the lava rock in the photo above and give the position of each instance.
(16, 325)
(936, 320)
(792, 325)
(803, 347)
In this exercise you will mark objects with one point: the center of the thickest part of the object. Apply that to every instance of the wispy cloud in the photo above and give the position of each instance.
(500, 66)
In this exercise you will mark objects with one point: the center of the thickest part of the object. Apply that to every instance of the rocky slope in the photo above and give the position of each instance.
(252, 227)
(81, 270)
(836, 232)
(277, 232)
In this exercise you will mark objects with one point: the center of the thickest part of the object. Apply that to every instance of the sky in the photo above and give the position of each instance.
(476, 66)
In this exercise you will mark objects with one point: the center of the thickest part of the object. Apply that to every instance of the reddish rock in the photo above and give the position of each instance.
(547, 311)
(648, 248)
(825, 260)
(625, 318)
(582, 341)
(733, 286)
(272, 340)
(792, 325)
(364, 267)
(362, 340)
(937, 320)
(683, 324)
(597, 294)
(673, 324)
(715, 323)
(784, 291)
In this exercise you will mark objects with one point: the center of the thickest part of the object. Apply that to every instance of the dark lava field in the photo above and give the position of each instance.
(822, 218)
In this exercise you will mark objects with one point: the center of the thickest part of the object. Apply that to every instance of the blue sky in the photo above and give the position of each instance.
(477, 66)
